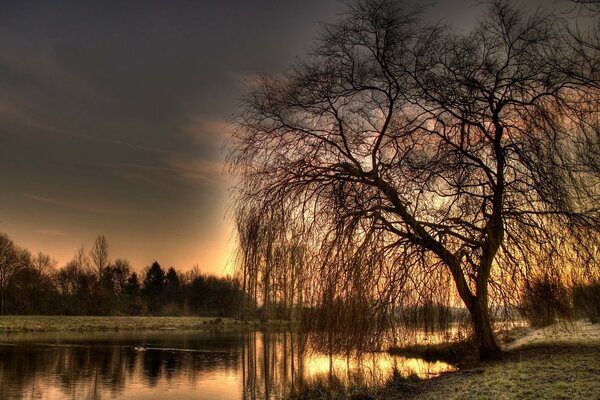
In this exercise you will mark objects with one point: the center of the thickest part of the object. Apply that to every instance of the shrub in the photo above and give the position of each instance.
(586, 300)
(544, 300)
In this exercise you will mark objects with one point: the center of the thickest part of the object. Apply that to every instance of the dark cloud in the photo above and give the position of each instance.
(112, 116)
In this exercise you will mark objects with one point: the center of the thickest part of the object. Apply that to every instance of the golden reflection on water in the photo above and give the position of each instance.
(184, 365)
(374, 368)
(285, 359)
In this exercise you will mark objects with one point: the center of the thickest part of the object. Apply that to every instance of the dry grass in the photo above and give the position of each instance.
(567, 333)
(560, 362)
(85, 323)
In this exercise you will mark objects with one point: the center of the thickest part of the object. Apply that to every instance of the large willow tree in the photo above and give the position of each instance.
(398, 151)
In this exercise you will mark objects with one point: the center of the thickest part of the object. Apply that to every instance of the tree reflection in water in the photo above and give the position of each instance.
(244, 365)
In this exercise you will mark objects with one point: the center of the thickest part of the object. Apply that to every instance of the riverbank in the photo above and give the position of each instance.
(17, 323)
(559, 362)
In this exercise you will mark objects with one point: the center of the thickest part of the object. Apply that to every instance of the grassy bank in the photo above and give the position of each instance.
(541, 372)
(13, 323)
(561, 362)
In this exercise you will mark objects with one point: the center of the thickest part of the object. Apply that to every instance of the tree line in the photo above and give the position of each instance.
(91, 284)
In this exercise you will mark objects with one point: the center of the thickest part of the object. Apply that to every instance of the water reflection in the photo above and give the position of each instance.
(182, 365)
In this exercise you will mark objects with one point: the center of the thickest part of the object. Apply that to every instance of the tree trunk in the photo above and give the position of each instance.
(486, 342)
(478, 309)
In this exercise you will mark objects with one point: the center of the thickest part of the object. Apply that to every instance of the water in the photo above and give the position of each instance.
(241, 365)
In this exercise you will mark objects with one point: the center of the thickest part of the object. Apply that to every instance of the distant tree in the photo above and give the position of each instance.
(189, 276)
(398, 149)
(34, 288)
(172, 278)
(12, 259)
(80, 260)
(76, 284)
(215, 296)
(115, 275)
(99, 254)
(134, 304)
(32, 291)
(111, 290)
(173, 291)
(121, 274)
(155, 278)
(133, 285)
(154, 287)
(44, 264)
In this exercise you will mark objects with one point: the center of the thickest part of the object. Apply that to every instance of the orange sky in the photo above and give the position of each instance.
(212, 253)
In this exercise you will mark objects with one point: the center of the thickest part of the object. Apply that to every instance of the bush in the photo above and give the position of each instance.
(586, 300)
(544, 300)
(451, 353)
(429, 316)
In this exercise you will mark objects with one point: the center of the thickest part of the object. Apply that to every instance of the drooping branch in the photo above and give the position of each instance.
(398, 149)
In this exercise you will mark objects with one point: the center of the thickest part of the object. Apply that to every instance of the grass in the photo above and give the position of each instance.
(550, 372)
(560, 362)
(13, 323)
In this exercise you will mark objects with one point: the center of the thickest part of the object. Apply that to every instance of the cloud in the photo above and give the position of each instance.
(90, 208)
(135, 146)
(197, 169)
(175, 167)
(42, 90)
(43, 65)
(10, 110)
(51, 232)
(204, 130)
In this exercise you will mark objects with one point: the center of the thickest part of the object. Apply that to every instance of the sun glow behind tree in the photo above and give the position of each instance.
(408, 159)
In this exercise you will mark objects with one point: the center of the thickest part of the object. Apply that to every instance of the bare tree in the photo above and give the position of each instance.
(121, 271)
(45, 267)
(99, 254)
(402, 149)
(12, 259)
(44, 264)
(80, 260)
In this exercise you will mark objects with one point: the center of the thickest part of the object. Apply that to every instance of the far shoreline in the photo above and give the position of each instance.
(61, 323)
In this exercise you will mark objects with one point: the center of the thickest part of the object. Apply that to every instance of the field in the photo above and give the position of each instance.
(86, 323)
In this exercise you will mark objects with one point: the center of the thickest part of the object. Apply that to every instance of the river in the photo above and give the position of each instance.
(229, 364)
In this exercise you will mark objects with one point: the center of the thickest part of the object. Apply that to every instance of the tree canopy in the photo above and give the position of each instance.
(405, 156)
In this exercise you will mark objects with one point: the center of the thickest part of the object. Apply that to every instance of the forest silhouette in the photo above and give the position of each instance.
(90, 284)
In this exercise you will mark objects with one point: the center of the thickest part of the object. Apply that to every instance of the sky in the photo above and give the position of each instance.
(114, 117)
